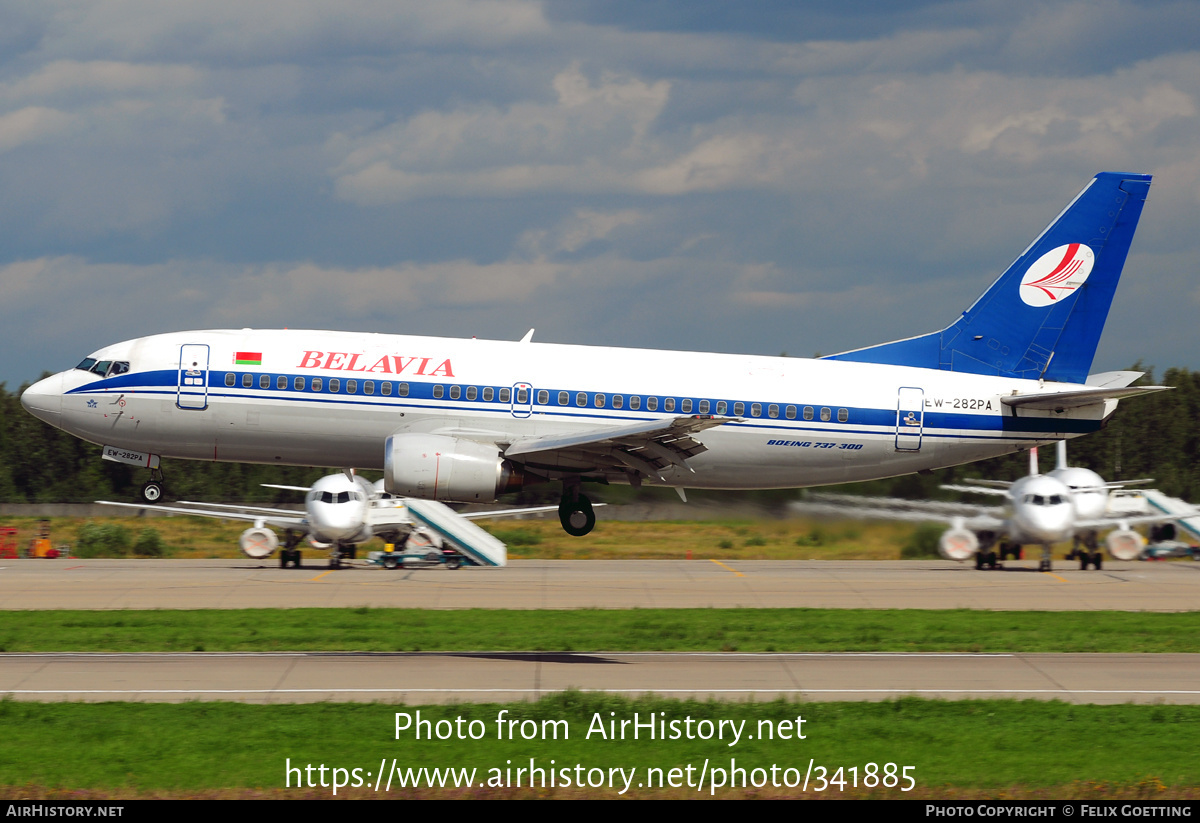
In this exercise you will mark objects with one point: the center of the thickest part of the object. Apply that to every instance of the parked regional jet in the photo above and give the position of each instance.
(343, 511)
(469, 420)
(1040, 509)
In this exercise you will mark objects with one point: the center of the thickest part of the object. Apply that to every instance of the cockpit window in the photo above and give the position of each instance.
(104, 368)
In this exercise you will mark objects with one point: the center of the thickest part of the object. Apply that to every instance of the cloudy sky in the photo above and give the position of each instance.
(751, 177)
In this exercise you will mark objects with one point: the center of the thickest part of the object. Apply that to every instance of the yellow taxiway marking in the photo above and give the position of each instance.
(1056, 577)
(319, 576)
(723, 566)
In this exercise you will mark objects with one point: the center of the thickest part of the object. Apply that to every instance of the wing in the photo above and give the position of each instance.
(891, 508)
(282, 520)
(954, 487)
(644, 449)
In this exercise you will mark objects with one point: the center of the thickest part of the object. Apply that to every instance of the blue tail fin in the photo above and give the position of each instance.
(1042, 317)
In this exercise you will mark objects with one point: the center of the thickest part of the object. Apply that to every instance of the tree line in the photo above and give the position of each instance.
(1151, 436)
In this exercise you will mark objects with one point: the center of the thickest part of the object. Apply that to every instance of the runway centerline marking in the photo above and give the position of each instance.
(727, 568)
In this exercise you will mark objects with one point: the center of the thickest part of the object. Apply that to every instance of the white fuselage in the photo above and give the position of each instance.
(324, 398)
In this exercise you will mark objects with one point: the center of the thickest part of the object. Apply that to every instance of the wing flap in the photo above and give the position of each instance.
(647, 447)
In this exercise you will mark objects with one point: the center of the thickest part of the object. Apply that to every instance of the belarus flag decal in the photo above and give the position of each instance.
(248, 358)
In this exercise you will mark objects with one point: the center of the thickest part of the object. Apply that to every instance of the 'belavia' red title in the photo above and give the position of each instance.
(387, 364)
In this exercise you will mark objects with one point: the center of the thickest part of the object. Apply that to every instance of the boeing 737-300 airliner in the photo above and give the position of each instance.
(469, 420)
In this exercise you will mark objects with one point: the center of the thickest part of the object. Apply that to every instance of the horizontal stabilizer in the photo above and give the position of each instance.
(1063, 400)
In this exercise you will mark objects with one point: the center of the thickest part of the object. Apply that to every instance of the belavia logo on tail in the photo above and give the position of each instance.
(1057, 274)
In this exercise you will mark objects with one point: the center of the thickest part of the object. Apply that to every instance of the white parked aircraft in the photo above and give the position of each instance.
(1040, 509)
(469, 420)
(343, 511)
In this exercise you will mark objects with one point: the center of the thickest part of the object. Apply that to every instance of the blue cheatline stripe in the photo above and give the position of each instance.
(958, 425)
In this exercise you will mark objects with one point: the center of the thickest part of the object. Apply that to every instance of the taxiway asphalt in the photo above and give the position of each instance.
(606, 584)
(421, 678)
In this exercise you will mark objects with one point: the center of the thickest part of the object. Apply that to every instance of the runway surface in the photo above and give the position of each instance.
(500, 676)
(610, 584)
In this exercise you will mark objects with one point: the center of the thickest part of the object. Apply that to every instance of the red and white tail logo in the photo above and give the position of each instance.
(1057, 274)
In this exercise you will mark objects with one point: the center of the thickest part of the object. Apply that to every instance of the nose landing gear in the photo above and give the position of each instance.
(152, 489)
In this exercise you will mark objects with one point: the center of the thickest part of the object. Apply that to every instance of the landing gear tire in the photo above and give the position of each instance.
(576, 516)
(453, 563)
(1097, 560)
(991, 560)
(1083, 561)
(979, 561)
(391, 562)
(1044, 566)
(152, 492)
(289, 556)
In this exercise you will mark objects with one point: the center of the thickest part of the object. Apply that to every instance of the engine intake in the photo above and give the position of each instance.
(437, 467)
(958, 544)
(1124, 544)
(258, 542)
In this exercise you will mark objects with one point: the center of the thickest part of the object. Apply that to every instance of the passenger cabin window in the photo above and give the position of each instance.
(618, 401)
(825, 415)
(790, 411)
(686, 406)
(635, 402)
(488, 393)
(351, 387)
(564, 398)
(281, 382)
(756, 409)
(808, 412)
(522, 396)
(772, 410)
(739, 408)
(298, 384)
(231, 379)
(316, 384)
(247, 381)
(505, 395)
(703, 407)
(402, 390)
(368, 387)
(651, 403)
(722, 407)
(669, 404)
(581, 398)
(335, 384)
(472, 392)
(264, 381)
(438, 392)
(455, 392)
(599, 401)
(543, 397)
(385, 388)
(843, 415)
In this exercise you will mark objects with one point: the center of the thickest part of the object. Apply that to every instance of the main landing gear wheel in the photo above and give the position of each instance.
(453, 563)
(152, 492)
(390, 562)
(289, 556)
(576, 515)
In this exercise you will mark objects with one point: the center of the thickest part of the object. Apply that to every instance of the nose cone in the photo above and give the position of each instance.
(44, 399)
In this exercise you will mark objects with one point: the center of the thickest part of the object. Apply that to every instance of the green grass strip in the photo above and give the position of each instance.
(746, 630)
(205, 746)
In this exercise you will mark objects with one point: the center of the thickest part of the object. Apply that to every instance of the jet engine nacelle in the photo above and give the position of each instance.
(958, 544)
(1124, 544)
(437, 467)
(258, 542)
